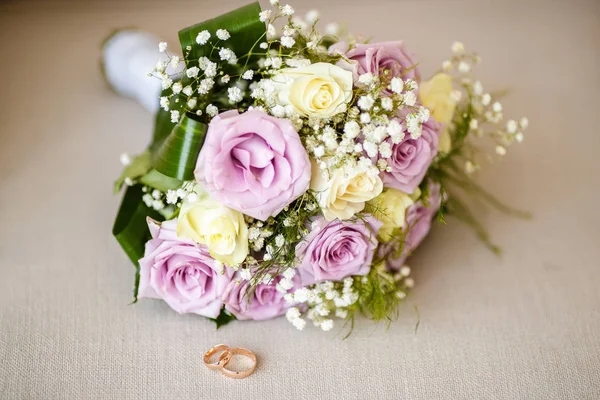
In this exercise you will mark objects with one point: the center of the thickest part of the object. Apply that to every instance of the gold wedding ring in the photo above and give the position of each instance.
(225, 357)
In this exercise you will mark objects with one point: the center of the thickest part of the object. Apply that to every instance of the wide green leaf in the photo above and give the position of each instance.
(177, 156)
(162, 123)
(156, 180)
(138, 167)
(243, 24)
(131, 229)
(223, 319)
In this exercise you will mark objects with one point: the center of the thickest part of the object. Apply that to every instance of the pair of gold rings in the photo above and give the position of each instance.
(226, 356)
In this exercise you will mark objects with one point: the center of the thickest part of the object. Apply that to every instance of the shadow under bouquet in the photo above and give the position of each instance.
(293, 172)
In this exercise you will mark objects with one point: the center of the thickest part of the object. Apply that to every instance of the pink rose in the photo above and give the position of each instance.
(253, 163)
(336, 250)
(182, 273)
(266, 302)
(375, 57)
(418, 223)
(411, 158)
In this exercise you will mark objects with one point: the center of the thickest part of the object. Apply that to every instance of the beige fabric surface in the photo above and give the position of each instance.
(524, 326)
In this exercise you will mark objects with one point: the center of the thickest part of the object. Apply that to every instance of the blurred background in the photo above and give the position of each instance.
(525, 325)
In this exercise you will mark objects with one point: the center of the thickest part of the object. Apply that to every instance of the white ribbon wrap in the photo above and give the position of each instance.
(128, 57)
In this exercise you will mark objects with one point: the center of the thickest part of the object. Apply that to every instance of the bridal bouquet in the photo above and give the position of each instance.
(293, 172)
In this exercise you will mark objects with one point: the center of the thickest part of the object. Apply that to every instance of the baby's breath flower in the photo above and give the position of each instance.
(292, 313)
(385, 149)
(225, 79)
(223, 34)
(287, 41)
(327, 325)
(212, 110)
(248, 75)
(166, 83)
(519, 137)
(172, 197)
(524, 123)
(387, 104)
(366, 102)
(477, 88)
(410, 99)
(411, 84)
(500, 150)
(264, 45)
(265, 15)
(365, 118)
(175, 60)
(125, 159)
(174, 116)
(312, 16)
(332, 29)
(192, 72)
(511, 126)
(203, 37)
(164, 103)
(177, 87)
(226, 54)
(279, 240)
(160, 67)
(447, 66)
(188, 90)
(366, 79)
(289, 273)
(397, 85)
(205, 85)
(485, 99)
(203, 63)
(474, 124)
(458, 48)
(463, 67)
(497, 107)
(158, 205)
(299, 323)
(245, 274)
(234, 94)
(191, 103)
(370, 148)
(162, 47)
(271, 32)
(287, 10)
(211, 70)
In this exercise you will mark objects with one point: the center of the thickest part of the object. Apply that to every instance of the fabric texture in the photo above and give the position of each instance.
(522, 326)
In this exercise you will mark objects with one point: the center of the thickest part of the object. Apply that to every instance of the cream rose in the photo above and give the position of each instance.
(316, 90)
(391, 208)
(341, 194)
(221, 229)
(436, 95)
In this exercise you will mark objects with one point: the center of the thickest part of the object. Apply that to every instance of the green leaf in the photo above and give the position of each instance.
(138, 167)
(131, 229)
(156, 180)
(223, 319)
(177, 156)
(243, 24)
(162, 122)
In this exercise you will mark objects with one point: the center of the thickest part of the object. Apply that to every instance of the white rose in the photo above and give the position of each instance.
(391, 208)
(221, 229)
(344, 193)
(316, 90)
